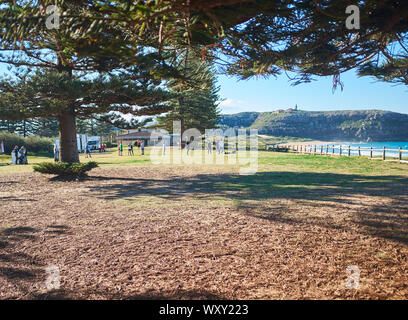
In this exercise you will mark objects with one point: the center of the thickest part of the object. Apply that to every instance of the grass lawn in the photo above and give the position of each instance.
(138, 230)
(108, 158)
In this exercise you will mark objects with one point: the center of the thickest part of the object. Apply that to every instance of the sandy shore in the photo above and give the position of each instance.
(311, 143)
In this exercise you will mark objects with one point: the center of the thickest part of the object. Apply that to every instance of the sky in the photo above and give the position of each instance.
(278, 93)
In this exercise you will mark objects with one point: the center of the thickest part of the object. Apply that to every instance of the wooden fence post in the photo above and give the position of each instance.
(400, 154)
(371, 152)
(384, 153)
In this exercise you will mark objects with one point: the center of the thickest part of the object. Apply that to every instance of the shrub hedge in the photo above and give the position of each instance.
(33, 144)
(110, 144)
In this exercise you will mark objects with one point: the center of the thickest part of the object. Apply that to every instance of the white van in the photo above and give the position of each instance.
(94, 143)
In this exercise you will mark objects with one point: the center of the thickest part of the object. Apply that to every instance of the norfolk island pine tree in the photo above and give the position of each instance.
(59, 78)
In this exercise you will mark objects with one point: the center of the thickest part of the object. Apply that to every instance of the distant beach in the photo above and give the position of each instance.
(312, 142)
(374, 145)
(392, 146)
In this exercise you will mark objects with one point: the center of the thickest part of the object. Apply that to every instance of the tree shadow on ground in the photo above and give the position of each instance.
(16, 199)
(17, 268)
(16, 265)
(26, 274)
(389, 220)
(177, 294)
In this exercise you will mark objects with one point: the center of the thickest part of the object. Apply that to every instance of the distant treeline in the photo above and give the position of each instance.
(40, 127)
(44, 127)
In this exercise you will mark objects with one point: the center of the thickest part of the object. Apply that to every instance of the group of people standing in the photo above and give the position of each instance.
(138, 143)
(219, 146)
(19, 155)
(209, 145)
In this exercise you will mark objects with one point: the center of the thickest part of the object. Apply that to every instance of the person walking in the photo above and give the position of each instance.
(130, 149)
(120, 149)
(209, 147)
(25, 156)
(88, 152)
(56, 152)
(15, 155)
(142, 147)
(190, 146)
(22, 156)
(164, 148)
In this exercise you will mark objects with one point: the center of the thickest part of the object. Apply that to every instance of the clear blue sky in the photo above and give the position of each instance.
(278, 93)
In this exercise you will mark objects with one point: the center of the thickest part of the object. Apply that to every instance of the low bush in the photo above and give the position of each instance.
(39, 145)
(64, 169)
(110, 144)
(277, 149)
(34, 144)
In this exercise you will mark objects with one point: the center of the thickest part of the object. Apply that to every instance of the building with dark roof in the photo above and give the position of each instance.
(149, 137)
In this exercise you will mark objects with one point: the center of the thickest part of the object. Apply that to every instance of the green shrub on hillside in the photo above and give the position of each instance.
(64, 169)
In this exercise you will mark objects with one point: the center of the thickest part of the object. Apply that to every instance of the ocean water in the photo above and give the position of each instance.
(365, 148)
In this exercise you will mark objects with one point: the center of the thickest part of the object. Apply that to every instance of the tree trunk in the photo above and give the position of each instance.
(92, 127)
(68, 136)
(181, 113)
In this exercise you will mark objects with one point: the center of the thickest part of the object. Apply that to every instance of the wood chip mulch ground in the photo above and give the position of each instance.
(148, 233)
